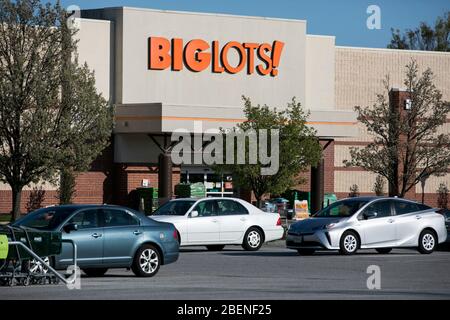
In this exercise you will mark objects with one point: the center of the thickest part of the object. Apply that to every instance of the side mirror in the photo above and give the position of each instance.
(194, 214)
(370, 215)
(70, 227)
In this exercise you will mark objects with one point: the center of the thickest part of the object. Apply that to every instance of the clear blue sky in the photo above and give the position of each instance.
(345, 19)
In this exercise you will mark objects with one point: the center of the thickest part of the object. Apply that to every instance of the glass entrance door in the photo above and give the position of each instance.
(216, 185)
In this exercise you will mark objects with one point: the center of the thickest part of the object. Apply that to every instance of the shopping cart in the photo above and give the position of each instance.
(26, 249)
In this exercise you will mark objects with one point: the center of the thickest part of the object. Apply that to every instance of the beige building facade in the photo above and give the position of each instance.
(212, 61)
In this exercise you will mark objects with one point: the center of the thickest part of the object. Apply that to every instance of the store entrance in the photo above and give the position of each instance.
(216, 185)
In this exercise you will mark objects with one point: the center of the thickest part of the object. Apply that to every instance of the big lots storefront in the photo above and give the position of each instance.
(166, 71)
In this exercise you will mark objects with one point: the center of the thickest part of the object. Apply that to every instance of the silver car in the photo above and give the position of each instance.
(369, 223)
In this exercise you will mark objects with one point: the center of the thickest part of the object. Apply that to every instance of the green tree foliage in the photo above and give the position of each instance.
(66, 190)
(407, 146)
(51, 115)
(298, 148)
(424, 37)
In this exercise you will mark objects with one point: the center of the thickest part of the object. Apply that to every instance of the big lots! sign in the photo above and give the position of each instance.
(198, 55)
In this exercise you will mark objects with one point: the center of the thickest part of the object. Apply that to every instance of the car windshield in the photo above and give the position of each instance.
(174, 208)
(46, 218)
(341, 209)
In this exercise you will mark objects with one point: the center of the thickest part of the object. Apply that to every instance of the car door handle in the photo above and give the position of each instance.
(391, 220)
(215, 220)
(137, 232)
(96, 235)
(418, 217)
(243, 219)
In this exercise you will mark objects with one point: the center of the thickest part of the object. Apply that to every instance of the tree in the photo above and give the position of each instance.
(66, 190)
(51, 116)
(407, 146)
(424, 37)
(298, 148)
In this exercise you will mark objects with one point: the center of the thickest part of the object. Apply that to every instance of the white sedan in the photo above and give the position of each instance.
(216, 222)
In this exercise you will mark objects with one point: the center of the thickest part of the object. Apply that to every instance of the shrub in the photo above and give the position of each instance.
(37, 197)
(442, 201)
(354, 191)
(378, 186)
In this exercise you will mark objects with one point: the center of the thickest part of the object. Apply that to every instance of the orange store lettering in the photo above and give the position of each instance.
(198, 55)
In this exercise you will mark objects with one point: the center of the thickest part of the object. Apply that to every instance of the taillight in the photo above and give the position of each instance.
(279, 221)
(175, 234)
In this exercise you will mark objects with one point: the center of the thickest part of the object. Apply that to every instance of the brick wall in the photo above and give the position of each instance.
(328, 156)
(129, 177)
(94, 186)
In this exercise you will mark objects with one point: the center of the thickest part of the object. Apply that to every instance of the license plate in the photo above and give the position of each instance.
(298, 240)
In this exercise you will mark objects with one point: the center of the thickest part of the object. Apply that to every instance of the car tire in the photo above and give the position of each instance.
(253, 239)
(215, 248)
(306, 251)
(95, 272)
(34, 266)
(384, 250)
(147, 261)
(427, 242)
(349, 243)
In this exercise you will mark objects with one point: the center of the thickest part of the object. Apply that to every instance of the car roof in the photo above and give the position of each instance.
(372, 198)
(84, 206)
(207, 198)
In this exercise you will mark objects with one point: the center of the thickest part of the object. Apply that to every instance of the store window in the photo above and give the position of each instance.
(216, 185)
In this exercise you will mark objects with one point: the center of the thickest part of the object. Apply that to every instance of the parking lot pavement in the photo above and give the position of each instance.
(271, 273)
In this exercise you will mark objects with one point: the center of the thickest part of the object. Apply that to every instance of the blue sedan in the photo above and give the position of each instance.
(107, 237)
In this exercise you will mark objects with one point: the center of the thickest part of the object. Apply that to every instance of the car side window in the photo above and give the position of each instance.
(206, 208)
(381, 208)
(116, 218)
(404, 207)
(230, 207)
(86, 219)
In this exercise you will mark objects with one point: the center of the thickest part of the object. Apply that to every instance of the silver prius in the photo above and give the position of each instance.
(369, 223)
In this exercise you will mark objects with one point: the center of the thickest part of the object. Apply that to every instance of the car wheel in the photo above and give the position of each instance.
(384, 250)
(253, 239)
(95, 272)
(427, 242)
(146, 262)
(215, 248)
(349, 243)
(306, 251)
(38, 267)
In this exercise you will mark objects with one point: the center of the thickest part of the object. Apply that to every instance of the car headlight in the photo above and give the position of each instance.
(330, 226)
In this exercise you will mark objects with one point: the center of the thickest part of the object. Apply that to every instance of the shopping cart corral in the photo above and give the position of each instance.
(25, 256)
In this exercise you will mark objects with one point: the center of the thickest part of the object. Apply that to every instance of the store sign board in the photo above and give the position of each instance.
(198, 55)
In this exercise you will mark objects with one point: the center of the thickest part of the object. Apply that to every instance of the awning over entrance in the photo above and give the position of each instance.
(165, 118)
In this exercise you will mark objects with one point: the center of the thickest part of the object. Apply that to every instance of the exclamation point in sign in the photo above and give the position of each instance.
(277, 48)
